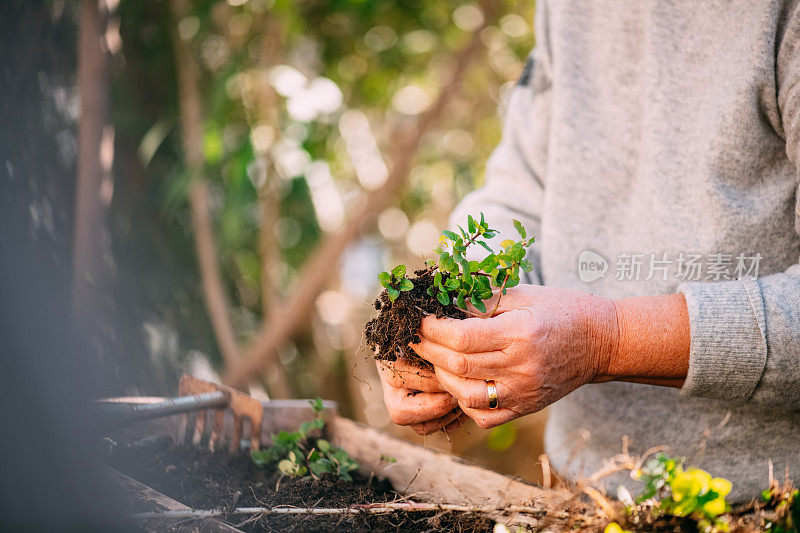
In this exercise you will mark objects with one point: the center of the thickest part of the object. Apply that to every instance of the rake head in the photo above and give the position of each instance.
(241, 405)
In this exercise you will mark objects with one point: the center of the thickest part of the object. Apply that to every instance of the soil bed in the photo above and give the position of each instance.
(396, 326)
(205, 480)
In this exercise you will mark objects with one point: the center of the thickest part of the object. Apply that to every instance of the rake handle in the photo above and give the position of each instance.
(121, 414)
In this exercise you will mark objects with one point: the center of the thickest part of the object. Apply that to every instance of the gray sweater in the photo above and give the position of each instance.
(653, 147)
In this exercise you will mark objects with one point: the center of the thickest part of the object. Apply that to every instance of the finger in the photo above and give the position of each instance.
(469, 365)
(489, 418)
(400, 374)
(406, 407)
(472, 393)
(431, 426)
(471, 335)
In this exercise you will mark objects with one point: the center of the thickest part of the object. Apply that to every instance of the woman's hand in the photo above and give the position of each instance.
(415, 398)
(542, 344)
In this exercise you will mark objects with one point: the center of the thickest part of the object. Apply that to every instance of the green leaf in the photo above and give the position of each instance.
(385, 279)
(460, 300)
(483, 282)
(437, 279)
(485, 246)
(483, 221)
(478, 303)
(520, 229)
(463, 233)
(443, 298)
(393, 294)
(450, 235)
(517, 252)
(431, 291)
(471, 226)
(452, 283)
(488, 264)
(444, 261)
(398, 272)
(406, 285)
(323, 445)
(321, 466)
(316, 405)
(465, 267)
(260, 457)
(526, 265)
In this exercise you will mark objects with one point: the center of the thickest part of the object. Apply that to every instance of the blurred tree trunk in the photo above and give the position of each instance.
(274, 375)
(318, 269)
(191, 109)
(92, 261)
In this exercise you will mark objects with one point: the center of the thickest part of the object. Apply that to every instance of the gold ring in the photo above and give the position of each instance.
(491, 391)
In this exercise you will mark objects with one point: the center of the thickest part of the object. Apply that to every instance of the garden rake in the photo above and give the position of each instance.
(195, 395)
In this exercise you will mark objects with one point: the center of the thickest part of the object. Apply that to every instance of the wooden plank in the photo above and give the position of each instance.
(142, 493)
(431, 475)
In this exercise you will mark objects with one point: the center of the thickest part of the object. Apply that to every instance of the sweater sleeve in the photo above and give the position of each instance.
(745, 334)
(514, 180)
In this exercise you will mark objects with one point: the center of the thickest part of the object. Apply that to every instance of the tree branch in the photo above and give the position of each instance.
(319, 267)
(191, 110)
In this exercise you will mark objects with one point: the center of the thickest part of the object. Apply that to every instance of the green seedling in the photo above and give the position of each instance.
(395, 282)
(298, 455)
(457, 280)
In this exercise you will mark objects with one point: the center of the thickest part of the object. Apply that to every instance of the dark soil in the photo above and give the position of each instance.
(397, 324)
(205, 480)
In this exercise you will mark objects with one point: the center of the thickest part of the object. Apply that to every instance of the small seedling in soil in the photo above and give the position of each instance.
(445, 287)
(303, 453)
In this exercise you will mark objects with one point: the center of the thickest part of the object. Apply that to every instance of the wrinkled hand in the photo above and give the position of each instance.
(541, 344)
(415, 398)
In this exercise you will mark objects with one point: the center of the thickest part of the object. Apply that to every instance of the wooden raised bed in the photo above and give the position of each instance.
(429, 475)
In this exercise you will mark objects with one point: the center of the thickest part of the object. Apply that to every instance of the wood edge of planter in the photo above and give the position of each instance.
(433, 475)
(142, 492)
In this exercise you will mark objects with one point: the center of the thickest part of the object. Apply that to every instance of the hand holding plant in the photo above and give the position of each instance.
(542, 344)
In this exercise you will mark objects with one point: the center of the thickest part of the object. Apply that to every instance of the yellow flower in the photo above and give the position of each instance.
(613, 527)
(701, 477)
(714, 507)
(721, 486)
(691, 482)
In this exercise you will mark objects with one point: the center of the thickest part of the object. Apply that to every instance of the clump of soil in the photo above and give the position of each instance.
(218, 480)
(397, 324)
